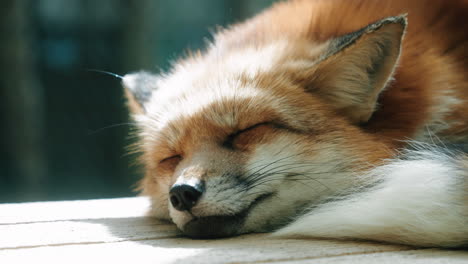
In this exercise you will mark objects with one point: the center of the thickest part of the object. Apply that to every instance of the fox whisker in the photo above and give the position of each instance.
(106, 72)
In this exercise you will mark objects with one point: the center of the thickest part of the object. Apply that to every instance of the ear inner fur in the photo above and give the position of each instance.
(138, 90)
(357, 67)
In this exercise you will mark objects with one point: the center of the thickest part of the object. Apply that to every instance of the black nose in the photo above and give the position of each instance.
(184, 196)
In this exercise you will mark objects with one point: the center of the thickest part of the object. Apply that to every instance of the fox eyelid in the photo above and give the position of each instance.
(229, 140)
(171, 157)
(252, 127)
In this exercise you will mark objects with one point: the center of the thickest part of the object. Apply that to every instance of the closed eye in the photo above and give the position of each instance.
(228, 143)
(171, 158)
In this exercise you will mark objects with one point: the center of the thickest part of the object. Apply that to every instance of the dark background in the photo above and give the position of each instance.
(63, 128)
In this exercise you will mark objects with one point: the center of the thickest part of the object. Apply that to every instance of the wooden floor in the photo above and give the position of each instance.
(116, 231)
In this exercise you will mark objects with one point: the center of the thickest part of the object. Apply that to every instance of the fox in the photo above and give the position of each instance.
(330, 119)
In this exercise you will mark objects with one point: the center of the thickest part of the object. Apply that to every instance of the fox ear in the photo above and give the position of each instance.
(139, 87)
(356, 67)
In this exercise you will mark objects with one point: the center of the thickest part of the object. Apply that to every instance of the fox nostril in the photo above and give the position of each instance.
(192, 196)
(184, 196)
(175, 201)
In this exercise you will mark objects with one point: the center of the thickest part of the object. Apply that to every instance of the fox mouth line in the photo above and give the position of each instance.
(218, 226)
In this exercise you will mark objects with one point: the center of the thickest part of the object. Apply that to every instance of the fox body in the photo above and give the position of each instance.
(333, 119)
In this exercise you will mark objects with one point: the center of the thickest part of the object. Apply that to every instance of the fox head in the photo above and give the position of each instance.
(246, 139)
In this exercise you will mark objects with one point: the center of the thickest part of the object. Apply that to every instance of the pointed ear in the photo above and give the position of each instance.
(356, 67)
(139, 87)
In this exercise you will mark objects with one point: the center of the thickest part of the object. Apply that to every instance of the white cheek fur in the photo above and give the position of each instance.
(417, 201)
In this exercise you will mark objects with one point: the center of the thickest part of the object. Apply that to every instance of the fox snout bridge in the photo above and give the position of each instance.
(184, 196)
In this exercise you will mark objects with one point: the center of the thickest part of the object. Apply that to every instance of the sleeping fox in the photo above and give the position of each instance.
(316, 118)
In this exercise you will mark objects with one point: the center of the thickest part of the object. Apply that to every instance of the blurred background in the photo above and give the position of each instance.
(63, 128)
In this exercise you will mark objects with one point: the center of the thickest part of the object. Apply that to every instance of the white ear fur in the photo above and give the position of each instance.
(139, 87)
(356, 67)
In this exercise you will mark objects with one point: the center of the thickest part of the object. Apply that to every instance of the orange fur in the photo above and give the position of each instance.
(281, 82)
(434, 57)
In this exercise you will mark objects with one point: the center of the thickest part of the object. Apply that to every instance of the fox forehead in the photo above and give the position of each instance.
(214, 96)
(208, 120)
(220, 101)
(230, 73)
(211, 113)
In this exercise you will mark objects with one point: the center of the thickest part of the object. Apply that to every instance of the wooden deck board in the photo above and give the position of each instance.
(72, 210)
(116, 231)
(422, 256)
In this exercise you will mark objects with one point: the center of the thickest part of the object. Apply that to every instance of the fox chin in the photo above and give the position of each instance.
(323, 119)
